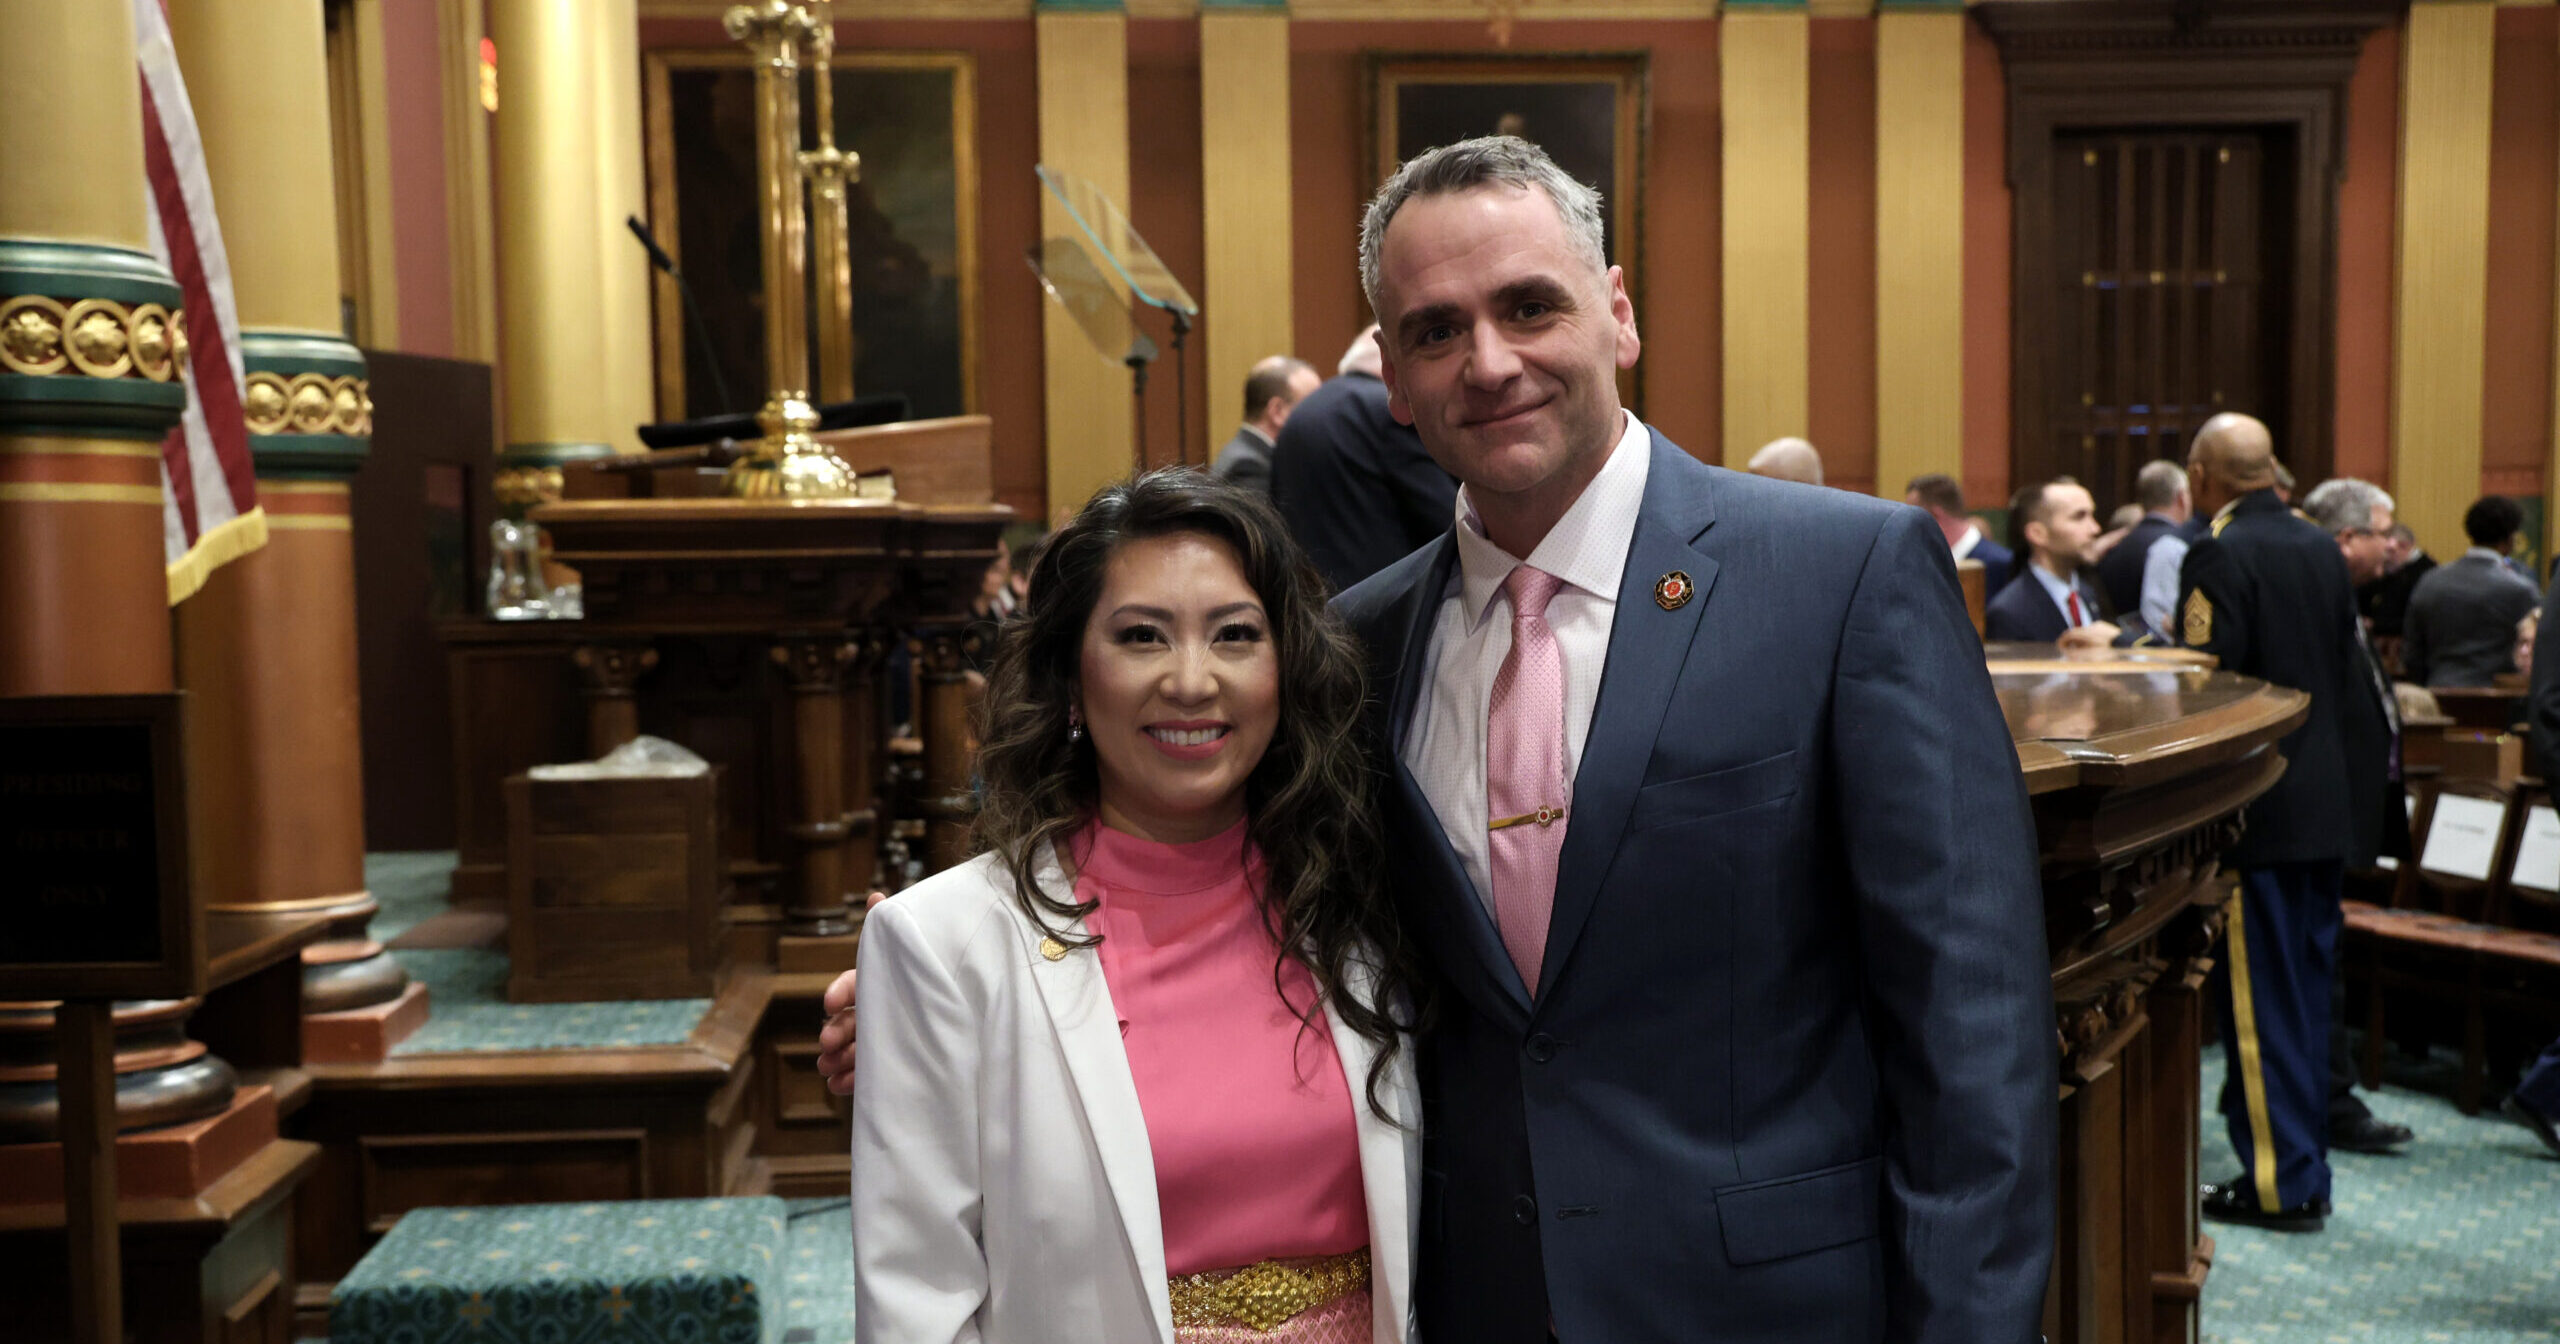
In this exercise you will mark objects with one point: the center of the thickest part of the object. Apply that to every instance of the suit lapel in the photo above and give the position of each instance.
(1400, 663)
(1088, 1027)
(1648, 646)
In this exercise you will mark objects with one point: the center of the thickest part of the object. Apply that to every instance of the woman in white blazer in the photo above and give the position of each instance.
(1097, 1101)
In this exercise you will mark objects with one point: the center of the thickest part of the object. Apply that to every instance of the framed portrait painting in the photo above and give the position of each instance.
(1588, 111)
(912, 221)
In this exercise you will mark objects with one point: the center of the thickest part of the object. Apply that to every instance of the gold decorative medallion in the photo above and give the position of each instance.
(1673, 591)
(31, 336)
(308, 404)
(346, 407)
(1053, 950)
(265, 403)
(94, 332)
(153, 343)
(2199, 619)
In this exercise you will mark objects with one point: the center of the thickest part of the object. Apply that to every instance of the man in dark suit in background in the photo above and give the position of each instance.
(1943, 498)
(2051, 601)
(2266, 592)
(1707, 819)
(1355, 486)
(2386, 600)
(1274, 388)
(2461, 627)
(2161, 489)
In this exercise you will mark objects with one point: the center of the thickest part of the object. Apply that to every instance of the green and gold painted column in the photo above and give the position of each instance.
(267, 650)
(90, 345)
(573, 315)
(88, 371)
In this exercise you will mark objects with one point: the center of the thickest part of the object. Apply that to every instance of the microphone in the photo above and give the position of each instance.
(659, 259)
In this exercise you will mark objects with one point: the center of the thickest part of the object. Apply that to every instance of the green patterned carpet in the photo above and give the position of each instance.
(817, 1290)
(2456, 1242)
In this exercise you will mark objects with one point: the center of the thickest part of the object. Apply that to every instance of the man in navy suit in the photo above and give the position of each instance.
(1939, 493)
(2052, 601)
(1766, 1054)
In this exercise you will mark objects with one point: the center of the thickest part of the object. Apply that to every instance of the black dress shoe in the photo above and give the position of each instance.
(2515, 1109)
(2233, 1202)
(2365, 1134)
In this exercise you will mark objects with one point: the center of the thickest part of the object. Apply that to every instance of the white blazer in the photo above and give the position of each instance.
(1003, 1189)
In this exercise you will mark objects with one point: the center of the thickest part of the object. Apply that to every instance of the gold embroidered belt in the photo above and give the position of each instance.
(1265, 1296)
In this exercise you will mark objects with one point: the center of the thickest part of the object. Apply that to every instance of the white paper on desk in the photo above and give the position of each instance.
(2463, 840)
(2538, 857)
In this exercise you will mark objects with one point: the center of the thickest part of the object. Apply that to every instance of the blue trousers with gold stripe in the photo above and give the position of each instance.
(2274, 982)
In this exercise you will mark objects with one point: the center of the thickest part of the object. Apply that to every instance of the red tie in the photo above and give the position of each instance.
(2077, 620)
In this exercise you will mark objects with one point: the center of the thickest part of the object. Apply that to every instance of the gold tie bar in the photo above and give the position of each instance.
(1544, 816)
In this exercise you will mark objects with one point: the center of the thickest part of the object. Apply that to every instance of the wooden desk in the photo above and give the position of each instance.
(2137, 774)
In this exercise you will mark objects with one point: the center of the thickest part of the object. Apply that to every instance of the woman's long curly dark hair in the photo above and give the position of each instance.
(1308, 801)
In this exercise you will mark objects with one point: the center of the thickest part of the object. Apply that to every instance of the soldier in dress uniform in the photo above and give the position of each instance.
(2266, 592)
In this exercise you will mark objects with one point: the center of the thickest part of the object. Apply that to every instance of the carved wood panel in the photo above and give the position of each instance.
(2265, 69)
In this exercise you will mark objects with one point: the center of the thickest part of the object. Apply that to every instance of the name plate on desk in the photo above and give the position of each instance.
(2462, 841)
(93, 850)
(2538, 855)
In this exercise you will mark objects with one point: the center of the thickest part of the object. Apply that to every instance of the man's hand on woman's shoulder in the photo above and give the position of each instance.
(835, 1039)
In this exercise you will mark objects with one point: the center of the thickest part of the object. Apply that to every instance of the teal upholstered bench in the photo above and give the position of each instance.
(670, 1271)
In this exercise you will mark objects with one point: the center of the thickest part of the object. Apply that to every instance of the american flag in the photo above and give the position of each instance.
(209, 490)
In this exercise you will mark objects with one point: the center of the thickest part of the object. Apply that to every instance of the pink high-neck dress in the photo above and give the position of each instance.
(1249, 1117)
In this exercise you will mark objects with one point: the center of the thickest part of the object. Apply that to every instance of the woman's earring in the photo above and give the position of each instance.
(1075, 724)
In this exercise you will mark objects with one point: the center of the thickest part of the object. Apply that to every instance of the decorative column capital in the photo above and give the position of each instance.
(308, 404)
(91, 341)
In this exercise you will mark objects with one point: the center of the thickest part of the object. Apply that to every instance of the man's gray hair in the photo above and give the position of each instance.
(1505, 160)
(2345, 504)
(2158, 484)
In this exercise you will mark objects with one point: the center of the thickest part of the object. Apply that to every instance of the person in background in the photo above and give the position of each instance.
(1275, 387)
(1356, 488)
(2266, 593)
(2460, 629)
(2052, 602)
(1155, 1036)
(2358, 514)
(2385, 601)
(2535, 1102)
(1943, 499)
(2160, 494)
(1788, 459)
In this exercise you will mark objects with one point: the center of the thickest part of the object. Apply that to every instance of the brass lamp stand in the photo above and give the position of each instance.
(788, 462)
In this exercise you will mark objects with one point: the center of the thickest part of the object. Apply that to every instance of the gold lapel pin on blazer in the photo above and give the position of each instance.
(1673, 591)
(1052, 949)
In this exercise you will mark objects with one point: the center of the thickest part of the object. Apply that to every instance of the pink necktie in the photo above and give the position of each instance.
(1524, 773)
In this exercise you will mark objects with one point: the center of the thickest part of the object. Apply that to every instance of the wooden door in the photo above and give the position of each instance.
(2166, 298)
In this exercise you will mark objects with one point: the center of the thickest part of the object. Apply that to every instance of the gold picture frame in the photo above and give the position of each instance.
(663, 71)
(1591, 112)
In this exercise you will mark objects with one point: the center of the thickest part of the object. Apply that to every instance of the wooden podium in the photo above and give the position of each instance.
(822, 586)
(2137, 769)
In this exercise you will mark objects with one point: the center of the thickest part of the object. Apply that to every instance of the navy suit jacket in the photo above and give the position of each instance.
(1357, 489)
(1790, 1074)
(2024, 611)
(1998, 566)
